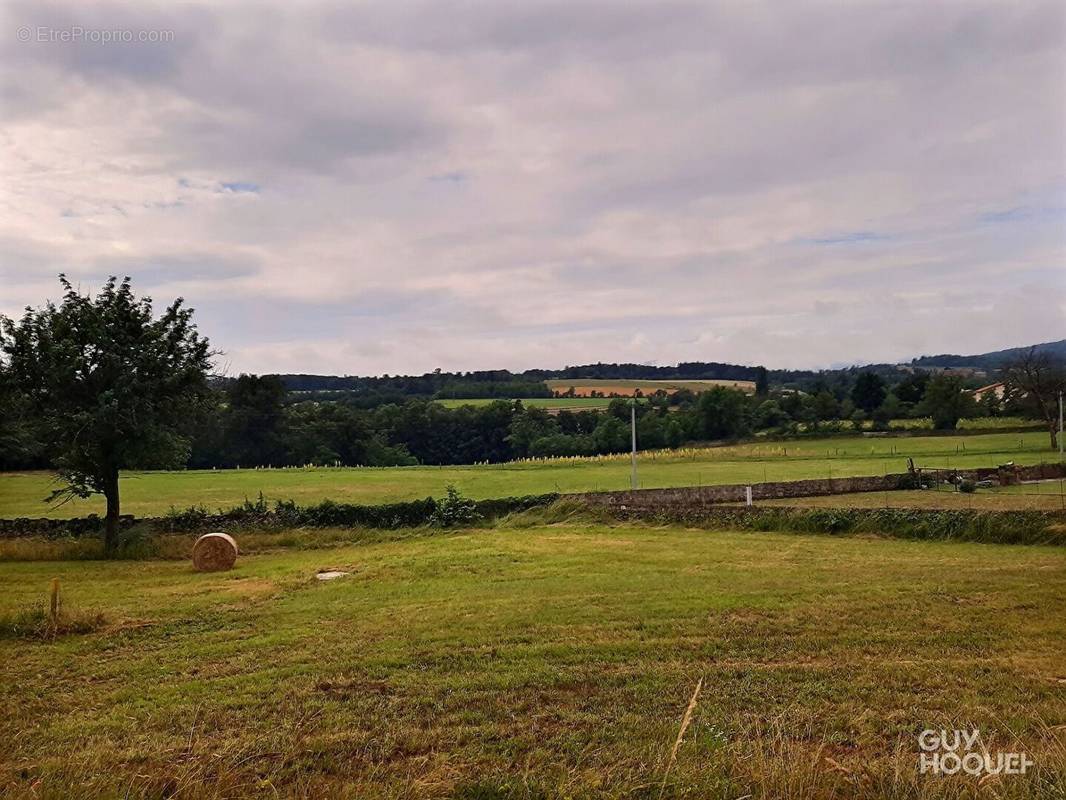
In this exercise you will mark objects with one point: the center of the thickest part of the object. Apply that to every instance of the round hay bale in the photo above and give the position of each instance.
(214, 552)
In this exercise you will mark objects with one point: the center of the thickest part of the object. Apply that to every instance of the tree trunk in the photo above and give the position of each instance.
(1053, 429)
(111, 520)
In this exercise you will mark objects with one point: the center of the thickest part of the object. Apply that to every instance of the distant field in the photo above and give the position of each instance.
(1043, 496)
(583, 387)
(975, 424)
(152, 493)
(577, 403)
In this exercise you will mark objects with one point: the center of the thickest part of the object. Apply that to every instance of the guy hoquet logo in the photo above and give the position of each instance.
(950, 752)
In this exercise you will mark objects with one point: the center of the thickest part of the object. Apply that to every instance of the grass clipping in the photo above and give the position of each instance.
(214, 552)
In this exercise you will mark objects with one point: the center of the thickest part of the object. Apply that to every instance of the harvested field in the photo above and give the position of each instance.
(543, 662)
(552, 404)
(584, 387)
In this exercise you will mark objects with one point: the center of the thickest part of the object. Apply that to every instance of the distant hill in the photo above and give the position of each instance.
(989, 360)
(433, 382)
(372, 391)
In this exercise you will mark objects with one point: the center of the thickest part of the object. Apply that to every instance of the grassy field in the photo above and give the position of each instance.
(1042, 496)
(153, 493)
(552, 661)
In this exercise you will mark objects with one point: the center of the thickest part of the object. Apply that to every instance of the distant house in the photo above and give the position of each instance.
(997, 389)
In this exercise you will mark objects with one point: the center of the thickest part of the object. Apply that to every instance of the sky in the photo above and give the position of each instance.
(394, 187)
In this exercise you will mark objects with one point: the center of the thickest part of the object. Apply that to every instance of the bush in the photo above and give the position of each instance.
(967, 486)
(455, 510)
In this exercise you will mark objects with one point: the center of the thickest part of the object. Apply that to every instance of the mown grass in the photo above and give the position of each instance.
(154, 493)
(545, 661)
(1037, 496)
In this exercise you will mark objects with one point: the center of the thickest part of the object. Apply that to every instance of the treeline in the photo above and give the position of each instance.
(254, 422)
(254, 425)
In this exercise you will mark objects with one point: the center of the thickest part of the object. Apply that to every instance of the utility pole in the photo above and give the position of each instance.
(633, 439)
(1060, 426)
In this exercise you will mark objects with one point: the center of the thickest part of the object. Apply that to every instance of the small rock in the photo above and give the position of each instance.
(331, 575)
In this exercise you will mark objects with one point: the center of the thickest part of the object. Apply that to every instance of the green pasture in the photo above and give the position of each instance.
(1047, 495)
(154, 493)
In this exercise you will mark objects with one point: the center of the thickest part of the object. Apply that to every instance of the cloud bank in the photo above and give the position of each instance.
(395, 187)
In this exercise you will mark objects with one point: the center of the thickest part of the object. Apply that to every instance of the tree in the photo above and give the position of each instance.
(651, 432)
(1037, 378)
(912, 388)
(826, 406)
(769, 414)
(255, 421)
(869, 391)
(108, 386)
(611, 435)
(675, 432)
(722, 413)
(946, 401)
(527, 426)
(762, 382)
(19, 448)
(890, 409)
(991, 405)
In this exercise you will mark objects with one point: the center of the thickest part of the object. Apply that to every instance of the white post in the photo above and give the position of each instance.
(633, 437)
(747, 495)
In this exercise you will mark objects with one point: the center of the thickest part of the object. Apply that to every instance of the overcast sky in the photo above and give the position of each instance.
(399, 186)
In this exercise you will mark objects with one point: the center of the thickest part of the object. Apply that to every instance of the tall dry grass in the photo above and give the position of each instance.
(767, 761)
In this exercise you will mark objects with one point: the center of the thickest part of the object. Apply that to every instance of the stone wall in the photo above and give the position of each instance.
(1001, 475)
(735, 493)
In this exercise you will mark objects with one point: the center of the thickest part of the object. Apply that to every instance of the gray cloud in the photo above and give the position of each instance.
(391, 187)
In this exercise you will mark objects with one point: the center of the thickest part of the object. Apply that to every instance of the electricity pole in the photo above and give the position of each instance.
(1060, 426)
(633, 439)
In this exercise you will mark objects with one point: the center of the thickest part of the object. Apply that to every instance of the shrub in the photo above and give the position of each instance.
(254, 515)
(454, 510)
(967, 486)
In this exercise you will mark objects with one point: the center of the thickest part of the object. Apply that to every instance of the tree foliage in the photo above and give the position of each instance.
(108, 386)
(722, 413)
(946, 402)
(869, 391)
